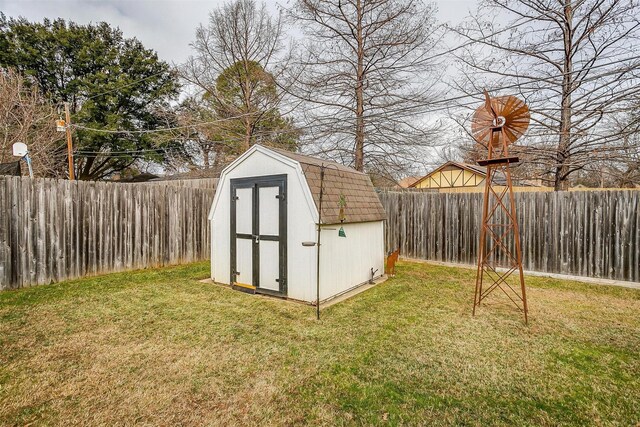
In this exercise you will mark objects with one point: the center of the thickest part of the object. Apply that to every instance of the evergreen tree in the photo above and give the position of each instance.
(112, 84)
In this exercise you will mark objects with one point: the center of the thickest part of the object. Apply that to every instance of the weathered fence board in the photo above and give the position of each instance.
(594, 234)
(53, 230)
(210, 183)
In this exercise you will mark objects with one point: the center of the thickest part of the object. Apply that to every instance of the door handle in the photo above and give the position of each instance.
(256, 238)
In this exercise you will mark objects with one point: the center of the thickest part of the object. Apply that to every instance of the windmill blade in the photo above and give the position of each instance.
(513, 110)
(488, 106)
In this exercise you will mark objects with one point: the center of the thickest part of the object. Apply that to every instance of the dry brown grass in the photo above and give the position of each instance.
(160, 348)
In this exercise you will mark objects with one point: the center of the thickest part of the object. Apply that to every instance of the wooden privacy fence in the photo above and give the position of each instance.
(52, 230)
(594, 234)
(210, 183)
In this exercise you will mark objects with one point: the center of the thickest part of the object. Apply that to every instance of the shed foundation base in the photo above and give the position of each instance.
(323, 304)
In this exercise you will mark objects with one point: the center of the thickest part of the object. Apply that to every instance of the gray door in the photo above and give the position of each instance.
(258, 234)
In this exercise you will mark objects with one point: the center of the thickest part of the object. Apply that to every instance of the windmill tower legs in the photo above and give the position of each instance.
(499, 252)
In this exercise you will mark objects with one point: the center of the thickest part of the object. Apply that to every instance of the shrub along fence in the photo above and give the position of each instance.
(52, 230)
(594, 234)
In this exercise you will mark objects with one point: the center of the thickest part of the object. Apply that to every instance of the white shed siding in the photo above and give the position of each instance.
(301, 222)
(346, 262)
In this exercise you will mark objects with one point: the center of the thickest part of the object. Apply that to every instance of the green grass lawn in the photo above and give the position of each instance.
(157, 347)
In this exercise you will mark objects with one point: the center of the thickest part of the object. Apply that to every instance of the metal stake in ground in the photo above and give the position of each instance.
(318, 243)
(496, 125)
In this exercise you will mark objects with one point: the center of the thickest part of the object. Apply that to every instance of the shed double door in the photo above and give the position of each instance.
(259, 234)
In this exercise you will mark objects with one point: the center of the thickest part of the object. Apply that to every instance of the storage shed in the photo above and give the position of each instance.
(264, 220)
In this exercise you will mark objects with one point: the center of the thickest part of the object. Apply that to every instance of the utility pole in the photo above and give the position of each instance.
(69, 141)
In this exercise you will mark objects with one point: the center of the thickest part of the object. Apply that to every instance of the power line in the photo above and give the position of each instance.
(126, 85)
(145, 131)
(121, 151)
(439, 101)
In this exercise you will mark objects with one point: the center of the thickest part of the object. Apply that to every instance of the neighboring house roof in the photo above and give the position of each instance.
(478, 170)
(408, 181)
(142, 177)
(11, 168)
(192, 174)
(362, 202)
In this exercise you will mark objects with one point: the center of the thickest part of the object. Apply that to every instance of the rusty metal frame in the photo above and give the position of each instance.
(493, 203)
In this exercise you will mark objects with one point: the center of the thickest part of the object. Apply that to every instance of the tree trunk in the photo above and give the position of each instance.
(219, 152)
(359, 146)
(205, 158)
(561, 182)
(248, 126)
(85, 171)
(247, 135)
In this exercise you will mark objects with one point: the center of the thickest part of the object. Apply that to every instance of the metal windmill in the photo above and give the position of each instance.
(496, 125)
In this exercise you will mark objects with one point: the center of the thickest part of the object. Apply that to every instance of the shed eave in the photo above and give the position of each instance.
(283, 159)
(351, 222)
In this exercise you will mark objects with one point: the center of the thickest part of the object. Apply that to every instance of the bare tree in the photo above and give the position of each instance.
(623, 169)
(575, 62)
(25, 116)
(196, 136)
(233, 67)
(365, 72)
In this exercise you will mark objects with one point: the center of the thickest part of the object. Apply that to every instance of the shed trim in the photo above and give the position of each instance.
(277, 156)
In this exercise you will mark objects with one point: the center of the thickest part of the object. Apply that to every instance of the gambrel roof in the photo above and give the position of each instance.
(361, 199)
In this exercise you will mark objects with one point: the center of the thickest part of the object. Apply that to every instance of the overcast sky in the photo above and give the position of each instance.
(168, 26)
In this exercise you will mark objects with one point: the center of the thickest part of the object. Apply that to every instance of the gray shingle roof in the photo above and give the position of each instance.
(362, 202)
